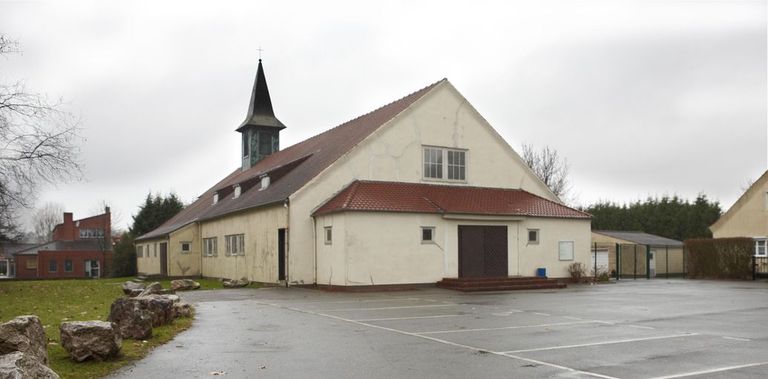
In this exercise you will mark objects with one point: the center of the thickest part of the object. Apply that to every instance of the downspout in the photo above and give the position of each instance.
(200, 239)
(314, 244)
(287, 206)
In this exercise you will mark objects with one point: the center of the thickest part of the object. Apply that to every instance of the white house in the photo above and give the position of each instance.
(420, 189)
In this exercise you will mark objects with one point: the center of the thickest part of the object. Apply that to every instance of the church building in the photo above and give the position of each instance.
(418, 190)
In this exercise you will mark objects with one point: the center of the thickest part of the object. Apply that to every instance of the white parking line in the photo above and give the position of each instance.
(641, 327)
(710, 371)
(602, 343)
(737, 339)
(473, 348)
(383, 308)
(356, 301)
(542, 314)
(405, 318)
(511, 327)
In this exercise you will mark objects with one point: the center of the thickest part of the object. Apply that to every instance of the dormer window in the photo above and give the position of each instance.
(264, 182)
(237, 190)
(215, 197)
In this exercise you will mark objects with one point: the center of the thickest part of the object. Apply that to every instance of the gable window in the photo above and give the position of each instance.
(235, 244)
(68, 265)
(186, 247)
(760, 247)
(215, 197)
(533, 236)
(566, 250)
(209, 246)
(140, 251)
(328, 235)
(427, 234)
(53, 266)
(445, 164)
(237, 191)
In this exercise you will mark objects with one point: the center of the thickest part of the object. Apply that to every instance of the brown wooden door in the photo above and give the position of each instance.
(482, 251)
(164, 258)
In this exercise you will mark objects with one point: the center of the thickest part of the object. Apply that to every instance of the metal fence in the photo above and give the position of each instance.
(759, 267)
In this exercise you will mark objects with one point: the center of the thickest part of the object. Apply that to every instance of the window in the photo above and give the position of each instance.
(433, 163)
(237, 190)
(760, 248)
(235, 244)
(31, 264)
(91, 233)
(186, 247)
(328, 235)
(154, 248)
(53, 266)
(209, 246)
(68, 265)
(533, 236)
(566, 250)
(443, 163)
(246, 144)
(215, 197)
(140, 251)
(427, 234)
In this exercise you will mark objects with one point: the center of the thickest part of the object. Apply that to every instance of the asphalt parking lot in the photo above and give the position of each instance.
(633, 329)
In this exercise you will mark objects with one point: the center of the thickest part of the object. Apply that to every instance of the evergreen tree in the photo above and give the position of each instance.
(670, 217)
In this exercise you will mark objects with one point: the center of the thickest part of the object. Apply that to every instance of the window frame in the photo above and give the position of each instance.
(445, 167)
(31, 264)
(764, 241)
(328, 235)
(53, 265)
(139, 251)
(235, 245)
(431, 229)
(189, 247)
(210, 246)
(71, 267)
(538, 237)
(560, 253)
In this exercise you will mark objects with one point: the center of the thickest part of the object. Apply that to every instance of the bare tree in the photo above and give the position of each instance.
(38, 144)
(45, 219)
(550, 167)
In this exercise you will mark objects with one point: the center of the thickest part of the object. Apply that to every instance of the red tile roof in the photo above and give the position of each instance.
(444, 199)
(304, 161)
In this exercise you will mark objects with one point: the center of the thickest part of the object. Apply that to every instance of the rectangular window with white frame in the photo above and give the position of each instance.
(209, 246)
(140, 251)
(441, 163)
(186, 247)
(235, 244)
(328, 235)
(427, 234)
(533, 236)
(565, 250)
(760, 247)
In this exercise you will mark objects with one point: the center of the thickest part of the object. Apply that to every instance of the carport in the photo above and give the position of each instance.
(634, 254)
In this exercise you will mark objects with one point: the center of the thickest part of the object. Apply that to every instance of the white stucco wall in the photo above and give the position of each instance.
(386, 248)
(394, 153)
(149, 263)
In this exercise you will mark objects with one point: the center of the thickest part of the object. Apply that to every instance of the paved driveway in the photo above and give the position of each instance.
(632, 329)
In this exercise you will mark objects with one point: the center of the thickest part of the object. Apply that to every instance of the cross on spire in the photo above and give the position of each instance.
(259, 50)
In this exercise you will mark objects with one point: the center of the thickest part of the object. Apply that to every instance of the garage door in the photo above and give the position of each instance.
(602, 260)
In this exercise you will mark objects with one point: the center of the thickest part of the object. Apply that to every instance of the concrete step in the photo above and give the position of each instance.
(499, 284)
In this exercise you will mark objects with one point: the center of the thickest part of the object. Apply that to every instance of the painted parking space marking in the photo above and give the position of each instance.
(601, 343)
(737, 339)
(356, 301)
(468, 347)
(541, 314)
(641, 327)
(408, 318)
(507, 313)
(385, 308)
(712, 371)
(510, 327)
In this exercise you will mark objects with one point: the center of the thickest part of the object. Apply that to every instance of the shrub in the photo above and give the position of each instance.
(719, 258)
(577, 271)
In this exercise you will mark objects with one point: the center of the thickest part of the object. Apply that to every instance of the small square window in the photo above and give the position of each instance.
(533, 236)
(186, 247)
(428, 234)
(328, 235)
(68, 265)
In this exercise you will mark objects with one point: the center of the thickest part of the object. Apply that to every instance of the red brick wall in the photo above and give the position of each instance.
(69, 230)
(78, 259)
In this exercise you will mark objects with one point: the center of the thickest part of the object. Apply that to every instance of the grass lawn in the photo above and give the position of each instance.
(56, 301)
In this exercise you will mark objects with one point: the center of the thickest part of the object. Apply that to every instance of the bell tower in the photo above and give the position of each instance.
(261, 129)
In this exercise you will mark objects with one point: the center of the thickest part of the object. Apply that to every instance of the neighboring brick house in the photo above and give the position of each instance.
(79, 249)
(7, 261)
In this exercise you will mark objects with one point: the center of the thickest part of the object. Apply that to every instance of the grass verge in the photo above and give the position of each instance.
(56, 301)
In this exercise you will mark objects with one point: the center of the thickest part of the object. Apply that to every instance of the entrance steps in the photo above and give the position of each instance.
(510, 283)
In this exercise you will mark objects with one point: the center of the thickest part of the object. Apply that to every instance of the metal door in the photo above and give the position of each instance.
(482, 251)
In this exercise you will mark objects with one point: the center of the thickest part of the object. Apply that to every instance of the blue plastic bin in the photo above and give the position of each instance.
(541, 272)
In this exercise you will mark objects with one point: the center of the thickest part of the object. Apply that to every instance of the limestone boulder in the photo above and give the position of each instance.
(160, 306)
(132, 320)
(18, 365)
(84, 340)
(184, 285)
(24, 334)
(152, 289)
(133, 289)
(231, 283)
(181, 309)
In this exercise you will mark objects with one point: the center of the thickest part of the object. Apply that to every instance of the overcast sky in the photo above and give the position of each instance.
(642, 97)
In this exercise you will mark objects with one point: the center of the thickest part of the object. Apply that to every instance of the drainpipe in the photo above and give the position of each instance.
(314, 243)
(287, 204)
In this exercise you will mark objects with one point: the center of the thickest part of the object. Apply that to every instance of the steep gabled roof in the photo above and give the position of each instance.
(293, 167)
(376, 196)
(640, 238)
(754, 188)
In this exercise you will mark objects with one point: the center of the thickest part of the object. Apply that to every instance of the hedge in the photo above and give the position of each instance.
(719, 258)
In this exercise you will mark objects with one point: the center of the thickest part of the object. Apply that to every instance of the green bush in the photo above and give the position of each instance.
(719, 258)
(577, 271)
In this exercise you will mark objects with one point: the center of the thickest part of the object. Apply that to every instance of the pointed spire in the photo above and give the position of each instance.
(260, 111)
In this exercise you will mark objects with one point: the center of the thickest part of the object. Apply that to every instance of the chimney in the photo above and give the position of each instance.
(67, 228)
